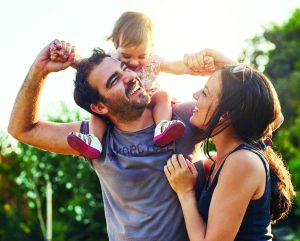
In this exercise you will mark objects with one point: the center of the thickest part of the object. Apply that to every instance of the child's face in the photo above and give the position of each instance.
(135, 56)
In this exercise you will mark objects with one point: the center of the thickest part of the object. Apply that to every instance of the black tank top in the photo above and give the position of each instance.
(256, 224)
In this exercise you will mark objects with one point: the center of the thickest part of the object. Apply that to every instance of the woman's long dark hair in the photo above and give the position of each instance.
(250, 101)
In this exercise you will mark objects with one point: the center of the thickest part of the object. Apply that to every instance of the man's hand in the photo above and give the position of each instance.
(204, 67)
(60, 52)
(47, 63)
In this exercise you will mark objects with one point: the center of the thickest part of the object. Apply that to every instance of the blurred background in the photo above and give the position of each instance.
(44, 196)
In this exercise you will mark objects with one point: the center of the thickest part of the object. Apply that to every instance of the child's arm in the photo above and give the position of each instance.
(173, 67)
(179, 67)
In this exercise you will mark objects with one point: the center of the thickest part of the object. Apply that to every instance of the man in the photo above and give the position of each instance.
(139, 203)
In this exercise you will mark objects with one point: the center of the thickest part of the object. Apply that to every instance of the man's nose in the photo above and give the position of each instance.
(129, 75)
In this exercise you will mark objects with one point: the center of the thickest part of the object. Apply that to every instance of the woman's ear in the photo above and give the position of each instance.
(223, 118)
(99, 108)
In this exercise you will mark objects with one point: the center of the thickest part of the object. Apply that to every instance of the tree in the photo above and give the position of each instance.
(77, 200)
(277, 52)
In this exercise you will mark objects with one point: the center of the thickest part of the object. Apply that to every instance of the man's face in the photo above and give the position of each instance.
(125, 95)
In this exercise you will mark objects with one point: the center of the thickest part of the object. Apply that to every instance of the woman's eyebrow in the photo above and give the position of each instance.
(205, 87)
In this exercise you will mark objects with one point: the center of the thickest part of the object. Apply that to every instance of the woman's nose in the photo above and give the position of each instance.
(196, 95)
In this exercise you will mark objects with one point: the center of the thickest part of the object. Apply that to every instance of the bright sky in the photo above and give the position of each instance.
(180, 27)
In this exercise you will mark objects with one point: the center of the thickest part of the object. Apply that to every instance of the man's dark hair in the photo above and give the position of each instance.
(84, 93)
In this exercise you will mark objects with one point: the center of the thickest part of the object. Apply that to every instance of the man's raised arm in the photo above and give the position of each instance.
(25, 124)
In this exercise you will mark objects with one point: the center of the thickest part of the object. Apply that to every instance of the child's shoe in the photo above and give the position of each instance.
(87, 145)
(168, 131)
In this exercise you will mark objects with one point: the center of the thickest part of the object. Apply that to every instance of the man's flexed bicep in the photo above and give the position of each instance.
(25, 124)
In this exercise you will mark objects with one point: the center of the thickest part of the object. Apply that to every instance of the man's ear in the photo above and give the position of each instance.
(99, 108)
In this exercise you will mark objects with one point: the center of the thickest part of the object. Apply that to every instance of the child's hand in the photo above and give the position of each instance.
(199, 60)
(46, 65)
(209, 64)
(60, 51)
(199, 63)
(175, 101)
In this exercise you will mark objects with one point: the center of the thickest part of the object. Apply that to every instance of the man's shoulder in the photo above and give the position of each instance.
(187, 144)
(183, 111)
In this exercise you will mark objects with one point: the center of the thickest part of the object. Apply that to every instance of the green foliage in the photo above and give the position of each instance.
(77, 200)
(279, 48)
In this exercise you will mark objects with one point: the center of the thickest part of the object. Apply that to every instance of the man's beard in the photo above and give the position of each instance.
(128, 110)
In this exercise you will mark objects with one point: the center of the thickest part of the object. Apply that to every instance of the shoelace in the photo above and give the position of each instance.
(86, 138)
(165, 125)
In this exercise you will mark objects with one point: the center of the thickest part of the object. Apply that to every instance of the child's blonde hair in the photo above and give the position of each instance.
(133, 28)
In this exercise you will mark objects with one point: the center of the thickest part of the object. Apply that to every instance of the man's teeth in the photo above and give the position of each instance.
(134, 90)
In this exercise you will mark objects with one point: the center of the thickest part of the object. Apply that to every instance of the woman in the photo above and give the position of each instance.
(248, 186)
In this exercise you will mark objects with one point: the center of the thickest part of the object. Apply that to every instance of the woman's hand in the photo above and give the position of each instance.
(206, 61)
(199, 63)
(181, 174)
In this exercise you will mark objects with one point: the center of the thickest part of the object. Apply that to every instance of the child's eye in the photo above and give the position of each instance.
(142, 57)
(125, 56)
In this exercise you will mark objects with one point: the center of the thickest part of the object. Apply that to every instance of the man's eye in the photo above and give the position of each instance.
(114, 81)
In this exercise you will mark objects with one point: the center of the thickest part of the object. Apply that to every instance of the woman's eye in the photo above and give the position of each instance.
(203, 92)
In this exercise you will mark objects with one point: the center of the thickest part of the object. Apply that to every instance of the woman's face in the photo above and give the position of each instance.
(207, 101)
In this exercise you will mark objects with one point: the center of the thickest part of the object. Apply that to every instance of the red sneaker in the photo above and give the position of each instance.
(87, 145)
(168, 131)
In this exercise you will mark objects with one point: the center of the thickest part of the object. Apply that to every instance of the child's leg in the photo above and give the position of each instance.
(166, 130)
(97, 127)
(162, 109)
(89, 145)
